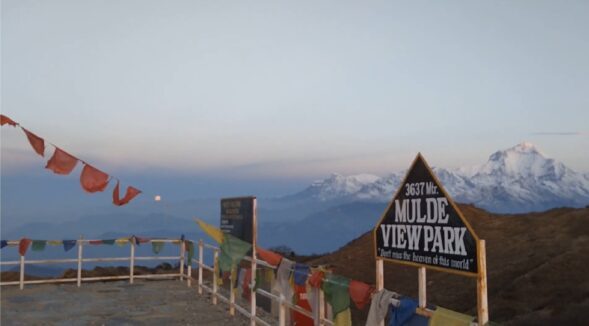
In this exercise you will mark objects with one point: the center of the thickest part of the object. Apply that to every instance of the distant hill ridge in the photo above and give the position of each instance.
(518, 179)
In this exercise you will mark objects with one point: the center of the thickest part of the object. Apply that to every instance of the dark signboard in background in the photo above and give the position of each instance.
(237, 217)
(423, 227)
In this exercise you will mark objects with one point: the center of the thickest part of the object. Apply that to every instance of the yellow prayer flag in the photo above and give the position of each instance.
(344, 318)
(122, 241)
(446, 317)
(55, 242)
(212, 231)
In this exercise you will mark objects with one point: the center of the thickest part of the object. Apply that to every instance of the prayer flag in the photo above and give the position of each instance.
(54, 242)
(232, 252)
(68, 244)
(268, 256)
(157, 246)
(336, 292)
(122, 241)
(38, 245)
(190, 249)
(283, 279)
(316, 278)
(6, 120)
(344, 318)
(95, 242)
(301, 272)
(129, 195)
(3, 243)
(445, 317)
(211, 231)
(360, 293)
(108, 242)
(37, 142)
(379, 306)
(23, 246)
(403, 313)
(92, 179)
(61, 162)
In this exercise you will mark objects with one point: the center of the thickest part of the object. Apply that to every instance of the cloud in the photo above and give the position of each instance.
(559, 133)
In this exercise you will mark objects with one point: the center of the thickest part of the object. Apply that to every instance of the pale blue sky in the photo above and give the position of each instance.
(293, 89)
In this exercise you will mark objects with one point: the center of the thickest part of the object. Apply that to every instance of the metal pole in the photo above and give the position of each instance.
(182, 252)
(200, 262)
(215, 263)
(79, 276)
(22, 272)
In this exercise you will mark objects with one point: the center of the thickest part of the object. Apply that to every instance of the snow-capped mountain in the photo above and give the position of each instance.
(518, 179)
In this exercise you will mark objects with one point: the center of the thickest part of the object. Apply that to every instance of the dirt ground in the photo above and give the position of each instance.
(113, 303)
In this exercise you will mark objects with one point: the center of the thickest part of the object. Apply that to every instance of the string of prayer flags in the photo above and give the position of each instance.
(268, 256)
(23, 246)
(129, 194)
(92, 179)
(68, 244)
(38, 245)
(360, 293)
(6, 120)
(3, 243)
(213, 232)
(61, 162)
(301, 272)
(157, 246)
(403, 313)
(36, 142)
(446, 317)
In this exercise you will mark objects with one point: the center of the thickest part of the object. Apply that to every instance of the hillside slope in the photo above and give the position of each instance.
(537, 268)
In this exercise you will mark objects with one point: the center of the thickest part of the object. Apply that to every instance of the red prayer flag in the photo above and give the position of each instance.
(268, 256)
(23, 246)
(360, 293)
(37, 142)
(130, 194)
(61, 162)
(6, 120)
(316, 279)
(92, 179)
(95, 242)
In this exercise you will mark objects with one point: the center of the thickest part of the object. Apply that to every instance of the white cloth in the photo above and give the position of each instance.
(379, 307)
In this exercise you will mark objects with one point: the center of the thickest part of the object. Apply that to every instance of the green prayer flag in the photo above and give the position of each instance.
(109, 242)
(336, 292)
(190, 250)
(157, 246)
(38, 245)
(232, 252)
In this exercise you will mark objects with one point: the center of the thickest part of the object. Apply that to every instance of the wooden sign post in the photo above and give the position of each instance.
(422, 227)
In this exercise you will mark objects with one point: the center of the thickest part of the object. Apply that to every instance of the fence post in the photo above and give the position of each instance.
(79, 275)
(189, 275)
(380, 278)
(22, 272)
(482, 305)
(182, 252)
(318, 310)
(252, 286)
(132, 260)
(200, 262)
(231, 293)
(422, 287)
(281, 311)
(215, 263)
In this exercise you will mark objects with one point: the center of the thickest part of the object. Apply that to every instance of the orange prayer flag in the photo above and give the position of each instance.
(6, 120)
(23, 246)
(268, 256)
(92, 179)
(360, 293)
(37, 142)
(130, 194)
(61, 162)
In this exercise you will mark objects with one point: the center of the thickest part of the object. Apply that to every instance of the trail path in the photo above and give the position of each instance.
(113, 303)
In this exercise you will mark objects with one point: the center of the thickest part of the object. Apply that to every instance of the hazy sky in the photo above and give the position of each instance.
(293, 89)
